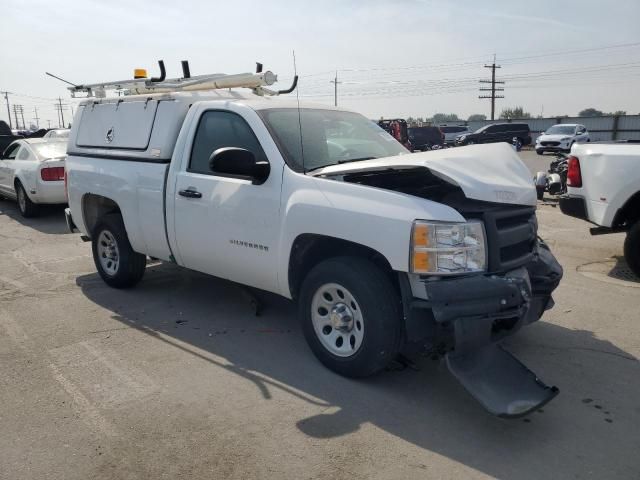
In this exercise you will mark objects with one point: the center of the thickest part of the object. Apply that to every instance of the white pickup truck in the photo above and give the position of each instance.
(380, 248)
(603, 187)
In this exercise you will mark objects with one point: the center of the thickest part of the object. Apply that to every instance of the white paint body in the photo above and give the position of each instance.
(26, 167)
(610, 176)
(579, 134)
(203, 233)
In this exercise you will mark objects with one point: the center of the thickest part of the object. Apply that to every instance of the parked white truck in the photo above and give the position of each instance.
(380, 248)
(603, 187)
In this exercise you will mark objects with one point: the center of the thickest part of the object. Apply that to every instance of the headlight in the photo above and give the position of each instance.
(564, 139)
(448, 248)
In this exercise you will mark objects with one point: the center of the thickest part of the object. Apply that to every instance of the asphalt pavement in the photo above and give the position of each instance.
(178, 378)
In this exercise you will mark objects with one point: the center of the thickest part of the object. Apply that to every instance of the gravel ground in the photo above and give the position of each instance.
(178, 379)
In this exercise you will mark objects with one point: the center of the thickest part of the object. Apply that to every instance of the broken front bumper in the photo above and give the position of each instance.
(465, 318)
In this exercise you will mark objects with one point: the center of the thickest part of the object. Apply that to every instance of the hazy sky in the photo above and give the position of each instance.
(395, 58)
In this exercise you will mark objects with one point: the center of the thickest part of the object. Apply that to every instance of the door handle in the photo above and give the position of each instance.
(190, 193)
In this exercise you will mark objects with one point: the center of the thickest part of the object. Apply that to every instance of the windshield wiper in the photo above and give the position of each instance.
(340, 162)
(356, 159)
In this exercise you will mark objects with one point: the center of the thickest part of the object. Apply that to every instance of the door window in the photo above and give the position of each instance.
(24, 154)
(11, 152)
(219, 129)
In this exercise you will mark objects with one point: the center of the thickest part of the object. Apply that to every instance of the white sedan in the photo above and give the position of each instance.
(32, 172)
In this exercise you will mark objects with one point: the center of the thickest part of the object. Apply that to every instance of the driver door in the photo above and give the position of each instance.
(7, 167)
(224, 225)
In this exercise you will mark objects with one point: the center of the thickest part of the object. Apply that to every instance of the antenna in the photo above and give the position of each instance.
(61, 79)
(295, 82)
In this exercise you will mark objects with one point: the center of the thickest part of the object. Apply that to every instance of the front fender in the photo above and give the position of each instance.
(375, 218)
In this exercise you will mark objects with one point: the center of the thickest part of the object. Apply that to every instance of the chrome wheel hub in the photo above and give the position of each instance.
(337, 320)
(341, 317)
(108, 253)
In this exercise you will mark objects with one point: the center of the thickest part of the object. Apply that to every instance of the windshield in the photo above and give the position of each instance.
(561, 130)
(50, 149)
(328, 137)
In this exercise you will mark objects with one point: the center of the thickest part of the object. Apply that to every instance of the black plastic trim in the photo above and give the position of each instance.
(574, 207)
(129, 158)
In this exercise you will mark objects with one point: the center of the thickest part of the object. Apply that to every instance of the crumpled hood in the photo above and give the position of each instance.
(553, 138)
(490, 172)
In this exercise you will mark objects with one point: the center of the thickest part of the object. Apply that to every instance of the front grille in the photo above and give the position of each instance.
(549, 144)
(511, 237)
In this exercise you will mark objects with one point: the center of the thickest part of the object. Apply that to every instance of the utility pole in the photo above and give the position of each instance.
(49, 124)
(59, 108)
(493, 88)
(61, 112)
(335, 89)
(6, 98)
(18, 109)
(37, 119)
(24, 126)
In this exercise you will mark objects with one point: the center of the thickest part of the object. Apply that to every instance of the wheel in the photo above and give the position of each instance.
(27, 208)
(471, 142)
(117, 263)
(632, 248)
(540, 152)
(351, 316)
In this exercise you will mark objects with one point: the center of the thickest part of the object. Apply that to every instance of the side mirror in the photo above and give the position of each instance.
(239, 163)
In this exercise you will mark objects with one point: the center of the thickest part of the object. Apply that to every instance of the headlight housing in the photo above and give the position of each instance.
(448, 248)
(564, 139)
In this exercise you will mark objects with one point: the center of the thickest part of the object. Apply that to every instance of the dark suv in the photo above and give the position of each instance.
(497, 132)
(425, 138)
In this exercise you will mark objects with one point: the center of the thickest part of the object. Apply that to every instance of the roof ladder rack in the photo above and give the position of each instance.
(140, 84)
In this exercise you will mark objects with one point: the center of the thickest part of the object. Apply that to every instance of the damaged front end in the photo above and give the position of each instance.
(464, 317)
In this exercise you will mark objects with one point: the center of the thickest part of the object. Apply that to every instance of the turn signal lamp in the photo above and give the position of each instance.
(140, 73)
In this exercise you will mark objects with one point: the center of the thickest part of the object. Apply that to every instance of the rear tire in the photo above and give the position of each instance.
(632, 248)
(540, 152)
(27, 208)
(116, 262)
(361, 339)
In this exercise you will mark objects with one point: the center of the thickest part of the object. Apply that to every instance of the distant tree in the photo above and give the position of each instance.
(445, 117)
(590, 112)
(515, 112)
(618, 112)
(476, 117)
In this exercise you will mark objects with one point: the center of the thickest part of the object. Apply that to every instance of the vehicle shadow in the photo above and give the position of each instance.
(50, 219)
(197, 313)
(622, 271)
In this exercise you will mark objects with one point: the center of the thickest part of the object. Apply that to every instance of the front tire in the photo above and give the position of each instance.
(116, 262)
(27, 208)
(540, 152)
(632, 248)
(351, 316)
